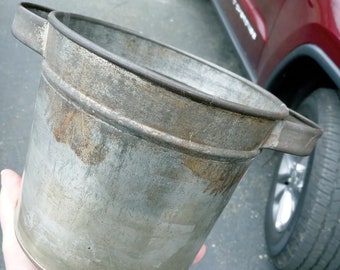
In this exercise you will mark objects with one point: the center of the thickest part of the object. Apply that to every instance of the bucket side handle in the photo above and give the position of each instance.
(295, 135)
(30, 26)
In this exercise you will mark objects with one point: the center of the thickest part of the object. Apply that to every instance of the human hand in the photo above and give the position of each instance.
(14, 256)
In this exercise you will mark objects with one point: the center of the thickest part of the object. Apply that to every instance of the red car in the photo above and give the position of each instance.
(292, 48)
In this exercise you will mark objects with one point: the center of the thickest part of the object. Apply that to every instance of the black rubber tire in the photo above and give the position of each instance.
(312, 239)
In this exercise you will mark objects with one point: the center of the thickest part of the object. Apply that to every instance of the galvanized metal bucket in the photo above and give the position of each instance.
(136, 147)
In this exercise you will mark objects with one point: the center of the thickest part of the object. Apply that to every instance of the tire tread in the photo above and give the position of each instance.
(315, 241)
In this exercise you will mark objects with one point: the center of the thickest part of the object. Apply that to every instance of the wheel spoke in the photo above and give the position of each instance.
(286, 165)
(289, 183)
(284, 210)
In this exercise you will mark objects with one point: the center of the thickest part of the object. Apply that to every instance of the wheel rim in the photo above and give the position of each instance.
(289, 184)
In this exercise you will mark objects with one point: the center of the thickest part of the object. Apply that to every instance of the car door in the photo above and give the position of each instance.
(250, 23)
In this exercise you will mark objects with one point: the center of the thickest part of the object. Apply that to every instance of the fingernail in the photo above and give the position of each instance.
(2, 173)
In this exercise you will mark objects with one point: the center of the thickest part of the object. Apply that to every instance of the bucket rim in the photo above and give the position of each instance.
(170, 83)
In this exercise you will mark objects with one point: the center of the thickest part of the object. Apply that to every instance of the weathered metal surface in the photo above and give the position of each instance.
(133, 204)
(135, 148)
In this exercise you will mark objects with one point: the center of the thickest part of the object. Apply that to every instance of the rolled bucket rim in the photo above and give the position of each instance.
(170, 83)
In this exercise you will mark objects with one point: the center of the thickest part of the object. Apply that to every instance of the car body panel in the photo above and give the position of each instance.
(286, 26)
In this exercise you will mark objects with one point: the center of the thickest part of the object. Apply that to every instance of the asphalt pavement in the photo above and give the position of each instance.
(237, 239)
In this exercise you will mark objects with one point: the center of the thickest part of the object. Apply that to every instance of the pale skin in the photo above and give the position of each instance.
(14, 256)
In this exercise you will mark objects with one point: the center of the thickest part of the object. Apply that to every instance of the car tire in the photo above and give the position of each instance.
(302, 221)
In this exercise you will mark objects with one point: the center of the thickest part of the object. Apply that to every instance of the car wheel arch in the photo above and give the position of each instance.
(304, 70)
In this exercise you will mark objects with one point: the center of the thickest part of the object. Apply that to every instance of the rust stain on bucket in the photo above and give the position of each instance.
(221, 176)
(77, 129)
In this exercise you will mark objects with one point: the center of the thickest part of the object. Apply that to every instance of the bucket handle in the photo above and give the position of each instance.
(30, 26)
(295, 135)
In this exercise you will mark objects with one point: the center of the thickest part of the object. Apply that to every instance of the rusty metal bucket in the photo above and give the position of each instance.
(136, 147)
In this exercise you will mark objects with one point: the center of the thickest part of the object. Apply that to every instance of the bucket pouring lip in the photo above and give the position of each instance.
(170, 83)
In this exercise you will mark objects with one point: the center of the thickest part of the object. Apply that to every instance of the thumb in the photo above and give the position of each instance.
(9, 196)
(14, 256)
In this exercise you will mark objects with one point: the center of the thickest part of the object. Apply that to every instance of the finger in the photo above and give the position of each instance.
(14, 256)
(10, 186)
(200, 254)
(9, 196)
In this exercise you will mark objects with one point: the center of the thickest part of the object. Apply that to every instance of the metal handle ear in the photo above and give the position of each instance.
(30, 26)
(295, 135)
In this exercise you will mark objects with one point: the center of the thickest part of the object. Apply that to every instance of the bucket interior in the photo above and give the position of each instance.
(205, 80)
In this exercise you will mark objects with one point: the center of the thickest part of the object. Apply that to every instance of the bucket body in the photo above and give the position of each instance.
(136, 147)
